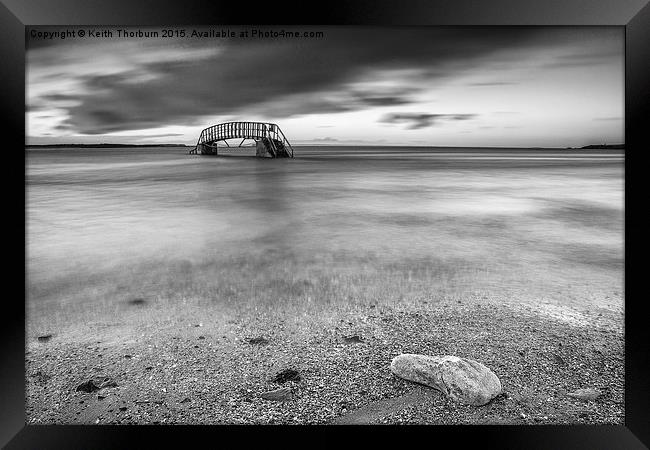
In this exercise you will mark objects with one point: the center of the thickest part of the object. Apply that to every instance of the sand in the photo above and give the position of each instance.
(209, 373)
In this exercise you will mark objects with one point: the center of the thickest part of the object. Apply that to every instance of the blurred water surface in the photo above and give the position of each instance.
(548, 216)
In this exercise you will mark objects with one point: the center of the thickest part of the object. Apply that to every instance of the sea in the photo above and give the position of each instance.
(551, 220)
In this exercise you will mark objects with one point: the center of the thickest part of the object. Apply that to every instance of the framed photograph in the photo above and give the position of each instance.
(347, 218)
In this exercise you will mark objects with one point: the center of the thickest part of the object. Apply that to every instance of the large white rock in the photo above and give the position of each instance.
(461, 379)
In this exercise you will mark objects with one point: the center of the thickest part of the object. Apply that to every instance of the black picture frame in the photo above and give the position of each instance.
(15, 15)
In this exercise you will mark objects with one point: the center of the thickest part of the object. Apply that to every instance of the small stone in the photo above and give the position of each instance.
(461, 379)
(587, 394)
(356, 339)
(45, 338)
(88, 386)
(277, 395)
(41, 377)
(559, 359)
(286, 375)
(137, 301)
(108, 382)
(258, 341)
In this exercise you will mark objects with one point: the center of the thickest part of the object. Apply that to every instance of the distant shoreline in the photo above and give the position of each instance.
(103, 145)
(586, 147)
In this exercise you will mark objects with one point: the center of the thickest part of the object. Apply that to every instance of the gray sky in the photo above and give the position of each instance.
(538, 86)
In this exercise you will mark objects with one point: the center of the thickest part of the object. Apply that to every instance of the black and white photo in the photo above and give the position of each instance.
(325, 225)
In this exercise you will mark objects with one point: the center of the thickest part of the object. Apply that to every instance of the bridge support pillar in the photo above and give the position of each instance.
(207, 150)
(261, 150)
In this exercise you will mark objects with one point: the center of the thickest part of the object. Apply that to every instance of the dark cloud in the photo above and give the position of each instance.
(35, 107)
(59, 97)
(385, 100)
(585, 59)
(416, 121)
(385, 97)
(276, 78)
(493, 83)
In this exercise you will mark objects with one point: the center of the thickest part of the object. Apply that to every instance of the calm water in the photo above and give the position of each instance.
(541, 216)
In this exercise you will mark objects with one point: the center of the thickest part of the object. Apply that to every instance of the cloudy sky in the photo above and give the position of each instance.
(519, 87)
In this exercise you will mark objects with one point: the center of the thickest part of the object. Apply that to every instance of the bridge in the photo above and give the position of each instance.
(269, 138)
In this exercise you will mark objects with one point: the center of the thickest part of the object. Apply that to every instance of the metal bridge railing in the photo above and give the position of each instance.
(243, 130)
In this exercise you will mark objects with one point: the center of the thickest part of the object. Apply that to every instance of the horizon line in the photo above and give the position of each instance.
(110, 144)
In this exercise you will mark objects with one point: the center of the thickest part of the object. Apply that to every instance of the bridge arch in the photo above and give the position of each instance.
(268, 136)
